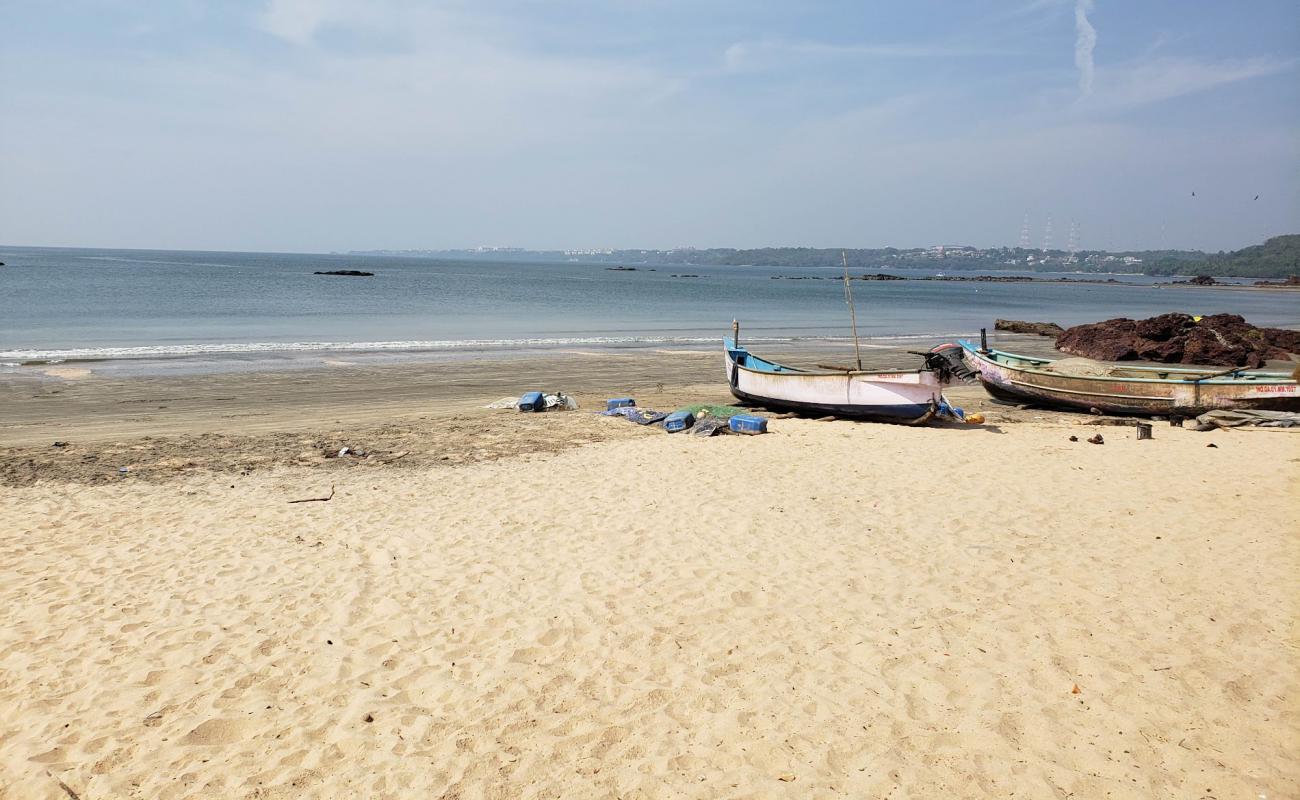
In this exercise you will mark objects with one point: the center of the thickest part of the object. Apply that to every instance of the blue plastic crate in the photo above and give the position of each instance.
(532, 401)
(748, 423)
(678, 421)
(618, 402)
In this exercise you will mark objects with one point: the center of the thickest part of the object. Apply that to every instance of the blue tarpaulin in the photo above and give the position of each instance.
(641, 416)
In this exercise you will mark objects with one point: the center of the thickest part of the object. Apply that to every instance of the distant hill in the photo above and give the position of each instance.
(1278, 257)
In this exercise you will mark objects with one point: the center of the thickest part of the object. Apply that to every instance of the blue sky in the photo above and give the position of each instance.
(312, 125)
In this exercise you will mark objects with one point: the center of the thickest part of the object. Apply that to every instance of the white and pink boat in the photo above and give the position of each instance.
(910, 397)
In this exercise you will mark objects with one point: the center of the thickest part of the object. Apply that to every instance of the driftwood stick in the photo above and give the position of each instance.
(327, 498)
(65, 787)
(391, 459)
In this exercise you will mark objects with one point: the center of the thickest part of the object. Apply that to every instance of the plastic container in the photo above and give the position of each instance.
(748, 423)
(678, 421)
(618, 402)
(532, 401)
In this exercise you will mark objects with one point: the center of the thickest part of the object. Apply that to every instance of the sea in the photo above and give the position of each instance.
(162, 310)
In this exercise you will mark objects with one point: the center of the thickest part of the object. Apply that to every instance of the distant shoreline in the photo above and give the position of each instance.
(1233, 286)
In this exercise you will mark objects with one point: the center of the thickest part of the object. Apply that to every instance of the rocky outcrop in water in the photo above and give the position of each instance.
(1291, 282)
(352, 273)
(1018, 326)
(1221, 339)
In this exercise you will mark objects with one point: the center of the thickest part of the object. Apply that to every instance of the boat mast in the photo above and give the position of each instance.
(853, 314)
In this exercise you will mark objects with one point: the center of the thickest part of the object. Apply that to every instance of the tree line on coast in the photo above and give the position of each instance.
(1278, 257)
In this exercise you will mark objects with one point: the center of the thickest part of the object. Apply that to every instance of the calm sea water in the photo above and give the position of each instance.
(113, 304)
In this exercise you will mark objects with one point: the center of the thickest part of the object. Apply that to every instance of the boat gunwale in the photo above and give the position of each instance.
(1268, 378)
(1049, 389)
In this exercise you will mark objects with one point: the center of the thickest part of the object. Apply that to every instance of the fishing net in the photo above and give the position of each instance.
(717, 412)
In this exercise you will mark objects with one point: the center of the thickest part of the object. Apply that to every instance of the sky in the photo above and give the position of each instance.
(319, 125)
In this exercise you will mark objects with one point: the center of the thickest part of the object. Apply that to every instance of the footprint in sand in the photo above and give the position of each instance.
(55, 756)
(742, 598)
(216, 731)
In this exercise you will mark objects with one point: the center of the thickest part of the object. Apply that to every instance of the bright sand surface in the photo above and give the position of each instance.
(831, 610)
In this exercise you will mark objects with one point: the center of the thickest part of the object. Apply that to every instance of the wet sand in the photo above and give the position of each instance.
(61, 402)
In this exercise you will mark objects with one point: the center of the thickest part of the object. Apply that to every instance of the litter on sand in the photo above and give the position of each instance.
(701, 419)
(1237, 419)
(747, 424)
(532, 401)
(678, 421)
(641, 416)
(711, 426)
(559, 401)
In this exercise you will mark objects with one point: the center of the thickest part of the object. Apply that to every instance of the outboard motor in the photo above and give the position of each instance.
(948, 360)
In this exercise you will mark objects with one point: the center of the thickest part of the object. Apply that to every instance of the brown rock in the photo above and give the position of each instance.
(1019, 326)
(1291, 280)
(1217, 340)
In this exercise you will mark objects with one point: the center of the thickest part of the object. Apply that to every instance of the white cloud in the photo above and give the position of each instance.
(300, 21)
(1084, 42)
(1163, 79)
(294, 21)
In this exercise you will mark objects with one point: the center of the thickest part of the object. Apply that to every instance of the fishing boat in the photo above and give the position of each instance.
(1083, 385)
(910, 397)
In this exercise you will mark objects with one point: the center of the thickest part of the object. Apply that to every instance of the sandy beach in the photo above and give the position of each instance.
(500, 605)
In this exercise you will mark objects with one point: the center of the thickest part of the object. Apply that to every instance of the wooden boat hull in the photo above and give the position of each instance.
(1023, 379)
(907, 397)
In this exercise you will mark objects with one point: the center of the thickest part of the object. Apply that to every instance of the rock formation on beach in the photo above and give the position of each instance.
(1221, 339)
(1019, 326)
